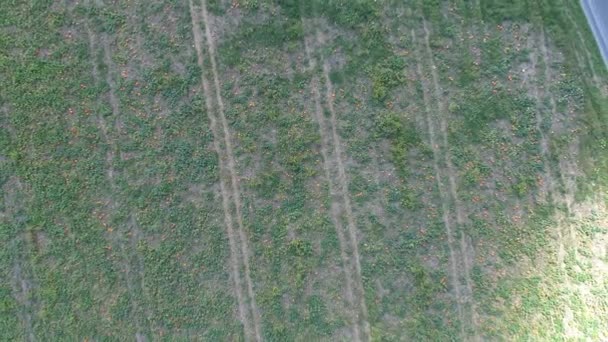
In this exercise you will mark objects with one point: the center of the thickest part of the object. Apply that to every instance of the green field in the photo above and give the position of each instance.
(286, 170)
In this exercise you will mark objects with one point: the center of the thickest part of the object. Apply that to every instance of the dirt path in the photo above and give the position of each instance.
(227, 174)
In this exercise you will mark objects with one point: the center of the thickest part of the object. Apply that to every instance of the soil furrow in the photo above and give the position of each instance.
(233, 174)
(336, 209)
(445, 206)
(342, 180)
(225, 192)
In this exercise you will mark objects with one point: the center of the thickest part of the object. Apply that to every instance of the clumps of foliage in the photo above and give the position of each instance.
(402, 134)
(385, 76)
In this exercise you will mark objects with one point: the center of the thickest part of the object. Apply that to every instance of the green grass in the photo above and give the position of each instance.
(89, 256)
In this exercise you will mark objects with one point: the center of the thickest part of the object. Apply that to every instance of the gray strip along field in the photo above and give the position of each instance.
(597, 15)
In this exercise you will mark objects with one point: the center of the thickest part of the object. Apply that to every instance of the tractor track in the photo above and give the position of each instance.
(235, 181)
(96, 43)
(467, 264)
(343, 181)
(237, 239)
(459, 263)
(341, 209)
(556, 176)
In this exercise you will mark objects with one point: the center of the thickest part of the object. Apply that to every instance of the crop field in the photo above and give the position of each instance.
(286, 170)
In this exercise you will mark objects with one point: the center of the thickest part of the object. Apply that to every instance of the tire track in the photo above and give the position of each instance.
(233, 174)
(445, 208)
(227, 174)
(340, 202)
(335, 205)
(21, 292)
(92, 48)
(22, 275)
(546, 187)
(479, 10)
(110, 157)
(135, 231)
(232, 168)
(352, 227)
(467, 264)
(549, 182)
(569, 186)
(107, 59)
(565, 173)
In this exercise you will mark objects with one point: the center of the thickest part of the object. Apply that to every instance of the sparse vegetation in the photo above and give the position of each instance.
(302, 170)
